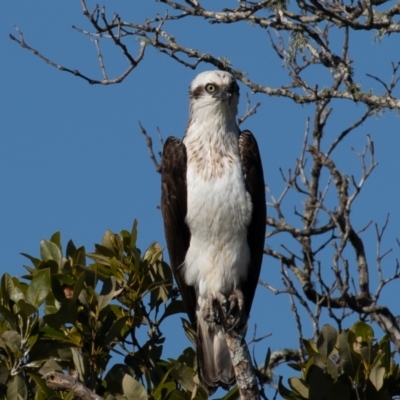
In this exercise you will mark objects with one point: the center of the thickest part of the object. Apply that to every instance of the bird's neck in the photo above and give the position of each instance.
(210, 124)
(211, 142)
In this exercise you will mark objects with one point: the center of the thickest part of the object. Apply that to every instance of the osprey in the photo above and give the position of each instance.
(213, 206)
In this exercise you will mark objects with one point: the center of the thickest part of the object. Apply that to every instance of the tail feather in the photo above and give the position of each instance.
(215, 364)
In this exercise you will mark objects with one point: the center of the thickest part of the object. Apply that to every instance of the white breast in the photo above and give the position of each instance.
(219, 212)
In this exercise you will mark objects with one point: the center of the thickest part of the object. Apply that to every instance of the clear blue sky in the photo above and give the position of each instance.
(73, 159)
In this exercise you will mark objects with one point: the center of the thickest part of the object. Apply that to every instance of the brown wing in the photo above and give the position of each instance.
(174, 208)
(254, 178)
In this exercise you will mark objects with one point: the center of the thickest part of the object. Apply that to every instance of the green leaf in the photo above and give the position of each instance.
(48, 310)
(7, 316)
(188, 357)
(107, 243)
(70, 249)
(4, 373)
(79, 286)
(332, 369)
(70, 395)
(286, 393)
(299, 386)
(39, 288)
(348, 360)
(116, 329)
(107, 293)
(12, 340)
(183, 375)
(161, 275)
(153, 253)
(32, 339)
(52, 265)
(17, 295)
(319, 361)
(16, 389)
(366, 353)
(133, 390)
(58, 284)
(114, 377)
(134, 234)
(384, 345)
(267, 360)
(50, 251)
(164, 389)
(79, 363)
(311, 347)
(376, 376)
(67, 314)
(27, 308)
(50, 366)
(295, 366)
(79, 257)
(322, 386)
(7, 287)
(42, 396)
(326, 340)
(56, 239)
(35, 261)
(40, 382)
(30, 270)
(181, 395)
(363, 330)
(54, 334)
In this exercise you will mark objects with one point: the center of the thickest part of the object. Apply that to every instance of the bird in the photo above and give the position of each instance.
(214, 212)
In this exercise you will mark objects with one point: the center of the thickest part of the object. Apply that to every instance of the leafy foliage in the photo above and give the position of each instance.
(65, 315)
(347, 365)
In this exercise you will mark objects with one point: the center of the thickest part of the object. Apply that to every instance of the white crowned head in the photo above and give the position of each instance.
(215, 91)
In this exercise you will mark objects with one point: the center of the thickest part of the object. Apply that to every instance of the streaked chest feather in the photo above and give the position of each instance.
(219, 212)
(212, 158)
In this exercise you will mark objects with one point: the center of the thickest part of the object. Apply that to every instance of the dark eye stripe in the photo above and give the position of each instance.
(200, 91)
(197, 92)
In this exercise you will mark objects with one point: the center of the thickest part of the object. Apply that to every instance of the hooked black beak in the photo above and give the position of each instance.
(223, 95)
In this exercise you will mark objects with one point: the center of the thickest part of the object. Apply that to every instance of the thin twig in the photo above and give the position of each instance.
(149, 144)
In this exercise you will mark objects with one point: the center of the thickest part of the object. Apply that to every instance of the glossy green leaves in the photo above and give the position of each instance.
(347, 365)
(67, 314)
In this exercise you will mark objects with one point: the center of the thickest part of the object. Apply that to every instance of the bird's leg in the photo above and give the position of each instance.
(215, 309)
(234, 315)
(228, 312)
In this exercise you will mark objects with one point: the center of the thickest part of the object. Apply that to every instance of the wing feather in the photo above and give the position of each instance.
(174, 209)
(254, 179)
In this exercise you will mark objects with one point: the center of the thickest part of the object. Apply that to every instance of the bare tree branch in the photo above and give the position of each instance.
(69, 383)
(304, 26)
(245, 373)
(250, 110)
(149, 144)
(104, 81)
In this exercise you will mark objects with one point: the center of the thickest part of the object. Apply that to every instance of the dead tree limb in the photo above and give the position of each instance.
(69, 383)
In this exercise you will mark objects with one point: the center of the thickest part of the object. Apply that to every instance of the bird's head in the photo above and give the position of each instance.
(214, 90)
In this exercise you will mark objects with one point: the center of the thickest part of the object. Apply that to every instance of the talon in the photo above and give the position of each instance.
(228, 312)
(235, 315)
(214, 309)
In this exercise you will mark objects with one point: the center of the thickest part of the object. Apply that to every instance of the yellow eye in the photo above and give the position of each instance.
(211, 88)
